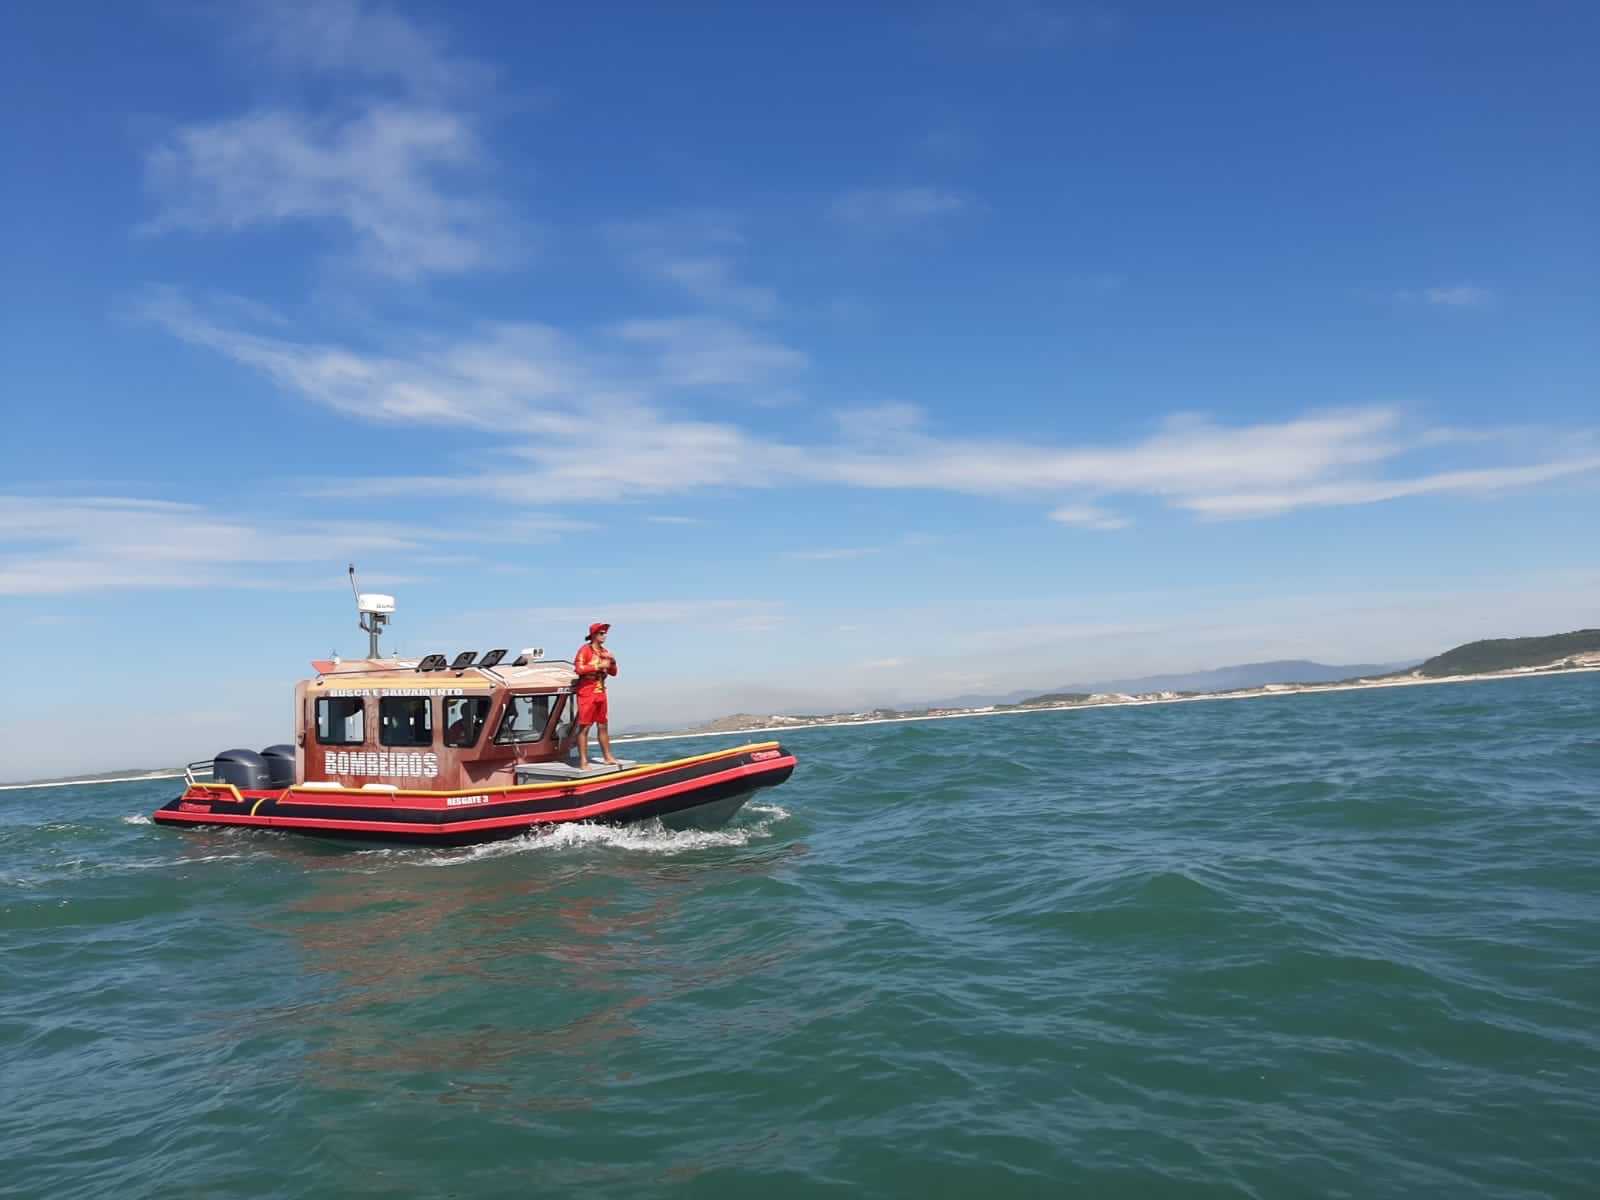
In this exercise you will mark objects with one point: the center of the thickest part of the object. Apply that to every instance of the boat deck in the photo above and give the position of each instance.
(541, 772)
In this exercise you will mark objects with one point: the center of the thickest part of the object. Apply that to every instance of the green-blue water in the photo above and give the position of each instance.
(1324, 945)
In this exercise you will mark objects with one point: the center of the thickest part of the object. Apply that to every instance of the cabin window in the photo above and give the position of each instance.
(464, 717)
(524, 720)
(405, 721)
(341, 721)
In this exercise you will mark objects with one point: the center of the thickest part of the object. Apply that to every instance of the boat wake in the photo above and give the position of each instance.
(756, 822)
(646, 837)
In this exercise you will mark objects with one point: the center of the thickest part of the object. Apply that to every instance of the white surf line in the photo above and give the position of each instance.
(12, 787)
(1132, 702)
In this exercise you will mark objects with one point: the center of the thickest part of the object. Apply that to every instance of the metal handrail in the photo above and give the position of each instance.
(191, 771)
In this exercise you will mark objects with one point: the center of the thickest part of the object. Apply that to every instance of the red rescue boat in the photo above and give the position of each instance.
(451, 752)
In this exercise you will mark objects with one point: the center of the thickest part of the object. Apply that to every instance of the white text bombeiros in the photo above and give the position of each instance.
(382, 762)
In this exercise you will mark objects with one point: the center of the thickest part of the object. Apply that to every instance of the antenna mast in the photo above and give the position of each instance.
(373, 611)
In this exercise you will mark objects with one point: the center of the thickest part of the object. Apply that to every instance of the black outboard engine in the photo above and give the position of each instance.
(245, 769)
(280, 765)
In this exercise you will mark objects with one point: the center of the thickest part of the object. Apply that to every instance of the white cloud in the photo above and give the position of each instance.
(353, 39)
(523, 378)
(696, 253)
(1484, 481)
(741, 615)
(711, 351)
(52, 545)
(1089, 516)
(876, 211)
(539, 393)
(648, 453)
(1095, 283)
(384, 175)
(712, 280)
(1189, 454)
(1459, 296)
(832, 555)
(393, 166)
(1018, 27)
(644, 455)
(880, 423)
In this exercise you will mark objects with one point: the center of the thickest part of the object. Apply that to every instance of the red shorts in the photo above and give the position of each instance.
(592, 708)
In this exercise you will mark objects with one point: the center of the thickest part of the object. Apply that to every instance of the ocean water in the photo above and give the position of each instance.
(1337, 945)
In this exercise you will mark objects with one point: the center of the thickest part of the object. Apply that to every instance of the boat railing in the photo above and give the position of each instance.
(204, 771)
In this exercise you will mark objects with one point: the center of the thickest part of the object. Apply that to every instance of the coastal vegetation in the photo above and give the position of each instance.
(1509, 654)
(1049, 698)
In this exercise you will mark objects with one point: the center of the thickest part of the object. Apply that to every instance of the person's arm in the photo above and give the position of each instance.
(583, 662)
(608, 663)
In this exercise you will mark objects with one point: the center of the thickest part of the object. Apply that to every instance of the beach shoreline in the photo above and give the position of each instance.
(1271, 689)
(842, 720)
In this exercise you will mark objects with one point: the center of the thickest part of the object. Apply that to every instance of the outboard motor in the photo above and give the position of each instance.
(280, 765)
(245, 769)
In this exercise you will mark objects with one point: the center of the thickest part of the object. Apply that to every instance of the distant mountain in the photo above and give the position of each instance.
(1502, 654)
(1220, 679)
(1246, 675)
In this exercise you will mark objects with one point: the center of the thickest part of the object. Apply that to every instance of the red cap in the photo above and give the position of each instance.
(598, 627)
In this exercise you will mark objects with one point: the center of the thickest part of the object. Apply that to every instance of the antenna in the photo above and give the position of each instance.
(373, 611)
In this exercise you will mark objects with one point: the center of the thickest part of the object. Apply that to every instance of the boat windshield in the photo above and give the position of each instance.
(524, 720)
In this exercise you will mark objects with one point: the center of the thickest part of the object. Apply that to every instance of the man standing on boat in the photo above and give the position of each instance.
(593, 662)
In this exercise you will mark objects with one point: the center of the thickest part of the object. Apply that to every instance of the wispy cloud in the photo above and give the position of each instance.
(53, 545)
(1089, 516)
(352, 39)
(1459, 296)
(657, 454)
(91, 543)
(1095, 283)
(711, 279)
(521, 378)
(537, 391)
(1042, 25)
(1188, 455)
(1017, 26)
(832, 554)
(878, 211)
(696, 254)
(398, 172)
(1485, 481)
(380, 175)
(702, 351)
(742, 614)
(879, 423)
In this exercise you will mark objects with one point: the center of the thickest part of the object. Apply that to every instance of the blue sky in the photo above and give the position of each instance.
(838, 354)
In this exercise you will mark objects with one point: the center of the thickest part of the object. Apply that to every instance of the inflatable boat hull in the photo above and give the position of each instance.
(700, 792)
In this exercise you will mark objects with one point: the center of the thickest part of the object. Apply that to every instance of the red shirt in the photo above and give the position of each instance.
(593, 665)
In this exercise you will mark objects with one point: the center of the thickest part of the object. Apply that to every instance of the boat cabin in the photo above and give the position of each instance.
(434, 725)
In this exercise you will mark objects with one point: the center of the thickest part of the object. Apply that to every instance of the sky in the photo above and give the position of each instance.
(837, 354)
